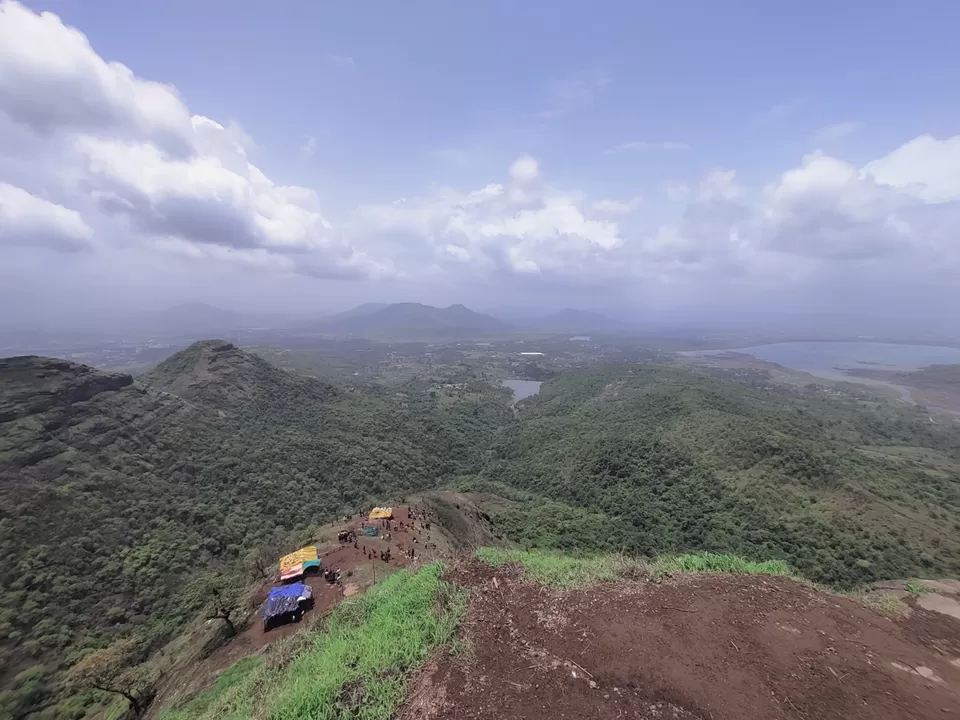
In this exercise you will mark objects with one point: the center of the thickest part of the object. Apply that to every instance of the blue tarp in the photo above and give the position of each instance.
(291, 590)
(285, 599)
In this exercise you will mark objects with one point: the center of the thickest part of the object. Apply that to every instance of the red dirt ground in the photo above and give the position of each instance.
(363, 571)
(349, 560)
(715, 647)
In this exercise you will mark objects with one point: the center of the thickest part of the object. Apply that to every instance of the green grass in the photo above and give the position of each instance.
(555, 569)
(721, 563)
(226, 682)
(355, 666)
(915, 588)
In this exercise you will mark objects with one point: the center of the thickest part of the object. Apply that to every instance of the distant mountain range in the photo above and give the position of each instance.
(411, 321)
(373, 321)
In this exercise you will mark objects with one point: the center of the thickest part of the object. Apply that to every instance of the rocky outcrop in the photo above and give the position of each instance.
(31, 384)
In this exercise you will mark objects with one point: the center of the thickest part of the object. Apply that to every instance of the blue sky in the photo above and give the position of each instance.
(663, 134)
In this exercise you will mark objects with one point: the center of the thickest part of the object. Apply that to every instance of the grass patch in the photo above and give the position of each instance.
(226, 682)
(880, 602)
(721, 563)
(915, 588)
(355, 665)
(555, 569)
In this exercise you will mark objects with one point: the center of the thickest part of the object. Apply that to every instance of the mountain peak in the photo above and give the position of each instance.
(219, 374)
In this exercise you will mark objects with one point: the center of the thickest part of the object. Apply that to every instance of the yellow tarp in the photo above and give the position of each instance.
(379, 513)
(296, 558)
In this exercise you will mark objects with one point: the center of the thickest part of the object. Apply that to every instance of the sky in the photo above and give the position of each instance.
(685, 159)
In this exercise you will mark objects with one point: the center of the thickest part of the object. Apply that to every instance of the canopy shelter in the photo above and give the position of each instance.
(293, 566)
(381, 513)
(370, 530)
(286, 603)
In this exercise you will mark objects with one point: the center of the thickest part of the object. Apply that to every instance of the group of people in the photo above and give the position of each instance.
(332, 576)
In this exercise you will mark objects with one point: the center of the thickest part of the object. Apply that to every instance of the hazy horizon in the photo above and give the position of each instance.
(743, 165)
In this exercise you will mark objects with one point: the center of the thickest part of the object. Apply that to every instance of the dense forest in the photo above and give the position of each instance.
(116, 495)
(656, 459)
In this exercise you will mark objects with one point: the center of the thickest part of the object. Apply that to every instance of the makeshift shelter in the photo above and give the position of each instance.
(291, 573)
(309, 566)
(292, 565)
(381, 513)
(370, 530)
(286, 603)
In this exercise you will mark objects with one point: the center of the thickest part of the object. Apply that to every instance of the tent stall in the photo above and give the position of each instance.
(286, 603)
(370, 530)
(381, 513)
(293, 566)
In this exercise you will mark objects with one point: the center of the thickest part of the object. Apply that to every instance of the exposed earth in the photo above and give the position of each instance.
(717, 647)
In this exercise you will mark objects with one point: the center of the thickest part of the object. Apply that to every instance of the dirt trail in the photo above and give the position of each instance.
(711, 647)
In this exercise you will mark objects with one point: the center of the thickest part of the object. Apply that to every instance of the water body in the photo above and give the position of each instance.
(522, 388)
(830, 359)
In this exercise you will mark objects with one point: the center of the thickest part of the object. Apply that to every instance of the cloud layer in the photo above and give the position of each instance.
(121, 163)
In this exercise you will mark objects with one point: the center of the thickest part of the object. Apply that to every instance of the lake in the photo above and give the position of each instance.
(522, 388)
(829, 359)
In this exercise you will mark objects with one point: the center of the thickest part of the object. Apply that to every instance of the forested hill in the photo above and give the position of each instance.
(113, 494)
(662, 459)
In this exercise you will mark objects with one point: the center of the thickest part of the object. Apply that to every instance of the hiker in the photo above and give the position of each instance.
(355, 544)
(411, 553)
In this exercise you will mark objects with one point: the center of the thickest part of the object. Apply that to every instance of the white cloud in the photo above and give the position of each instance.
(646, 146)
(524, 169)
(29, 220)
(925, 167)
(537, 231)
(132, 148)
(837, 131)
(616, 207)
(51, 79)
(309, 147)
(344, 61)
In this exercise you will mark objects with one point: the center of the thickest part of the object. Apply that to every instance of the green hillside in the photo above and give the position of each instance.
(114, 494)
(659, 459)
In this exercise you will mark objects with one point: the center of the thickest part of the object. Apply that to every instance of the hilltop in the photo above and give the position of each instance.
(115, 494)
(219, 375)
(412, 321)
(530, 635)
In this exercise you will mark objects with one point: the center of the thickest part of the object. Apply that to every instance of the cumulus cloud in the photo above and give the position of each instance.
(51, 79)
(925, 167)
(494, 228)
(132, 147)
(29, 220)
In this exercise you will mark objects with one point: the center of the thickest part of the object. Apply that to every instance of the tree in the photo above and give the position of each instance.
(115, 669)
(219, 594)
